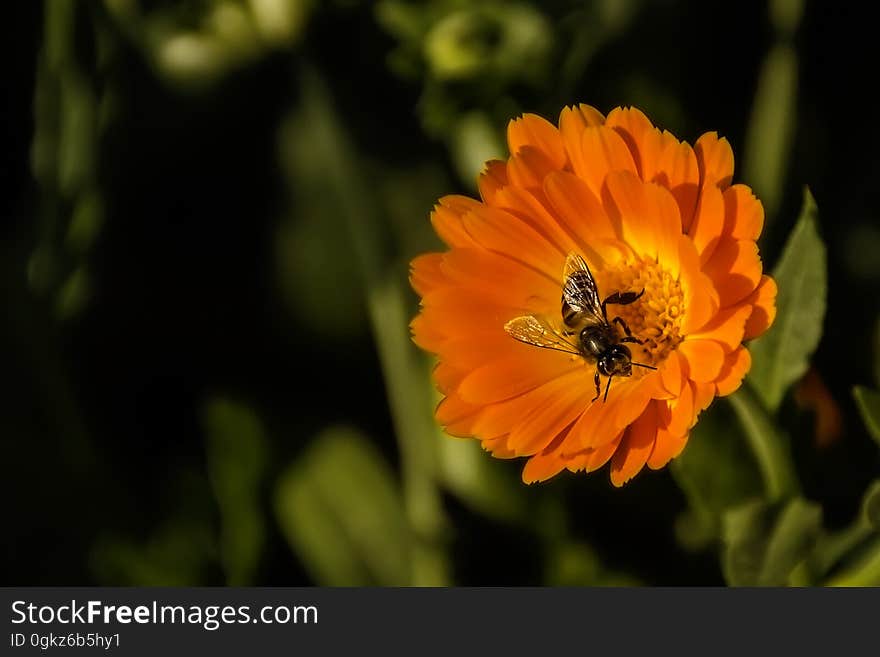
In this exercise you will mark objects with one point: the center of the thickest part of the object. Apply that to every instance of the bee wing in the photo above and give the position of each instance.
(580, 297)
(538, 332)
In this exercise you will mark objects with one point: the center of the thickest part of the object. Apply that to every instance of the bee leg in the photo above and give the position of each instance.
(598, 387)
(629, 336)
(621, 299)
(607, 388)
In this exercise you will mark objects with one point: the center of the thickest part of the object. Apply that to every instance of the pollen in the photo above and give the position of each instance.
(656, 317)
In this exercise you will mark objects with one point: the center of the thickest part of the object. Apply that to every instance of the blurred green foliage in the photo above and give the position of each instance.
(781, 356)
(224, 196)
(341, 509)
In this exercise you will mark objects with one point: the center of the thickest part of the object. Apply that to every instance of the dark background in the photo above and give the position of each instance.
(188, 297)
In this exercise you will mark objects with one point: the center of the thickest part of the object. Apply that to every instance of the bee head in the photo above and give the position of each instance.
(617, 361)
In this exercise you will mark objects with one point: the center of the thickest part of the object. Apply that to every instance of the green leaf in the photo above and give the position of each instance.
(877, 353)
(715, 472)
(771, 126)
(236, 453)
(765, 544)
(861, 542)
(768, 444)
(341, 511)
(781, 356)
(863, 569)
(868, 402)
(485, 485)
(871, 506)
(179, 549)
(834, 546)
(572, 563)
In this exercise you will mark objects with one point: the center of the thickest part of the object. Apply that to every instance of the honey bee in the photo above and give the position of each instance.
(585, 331)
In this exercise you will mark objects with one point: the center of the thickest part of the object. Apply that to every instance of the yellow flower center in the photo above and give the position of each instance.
(656, 317)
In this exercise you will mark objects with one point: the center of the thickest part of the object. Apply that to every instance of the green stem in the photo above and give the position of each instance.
(407, 393)
(768, 445)
(866, 572)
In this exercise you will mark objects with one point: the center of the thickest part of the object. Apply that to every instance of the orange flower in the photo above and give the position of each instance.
(646, 212)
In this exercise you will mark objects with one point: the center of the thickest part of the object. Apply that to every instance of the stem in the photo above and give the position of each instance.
(866, 572)
(405, 382)
(768, 445)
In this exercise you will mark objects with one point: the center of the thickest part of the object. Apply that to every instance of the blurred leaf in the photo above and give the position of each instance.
(781, 356)
(576, 564)
(715, 472)
(863, 569)
(501, 41)
(175, 556)
(483, 484)
(85, 224)
(769, 446)
(870, 513)
(877, 352)
(836, 545)
(77, 145)
(341, 511)
(868, 402)
(405, 21)
(764, 543)
(181, 550)
(236, 453)
(474, 141)
(280, 22)
(786, 16)
(73, 294)
(771, 126)
(387, 297)
(315, 236)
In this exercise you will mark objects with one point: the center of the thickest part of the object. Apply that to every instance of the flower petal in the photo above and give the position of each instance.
(498, 447)
(514, 374)
(603, 420)
(542, 466)
(491, 179)
(529, 209)
(595, 458)
(704, 357)
(743, 213)
(503, 417)
(642, 138)
(456, 416)
(544, 423)
(726, 327)
(700, 298)
(528, 168)
(678, 171)
(647, 215)
(708, 225)
(736, 366)
(572, 123)
(425, 273)
(671, 374)
(602, 150)
(635, 448)
(666, 447)
(704, 393)
(735, 269)
(677, 415)
(447, 219)
(500, 231)
(578, 209)
(538, 132)
(502, 280)
(715, 159)
(763, 309)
